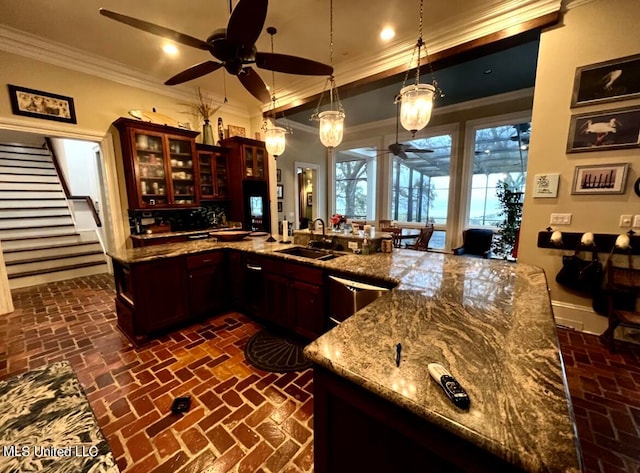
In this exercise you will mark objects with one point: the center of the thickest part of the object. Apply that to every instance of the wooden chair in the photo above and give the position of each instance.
(395, 235)
(422, 242)
(476, 242)
(623, 290)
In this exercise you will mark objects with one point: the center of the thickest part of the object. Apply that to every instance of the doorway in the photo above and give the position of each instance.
(306, 191)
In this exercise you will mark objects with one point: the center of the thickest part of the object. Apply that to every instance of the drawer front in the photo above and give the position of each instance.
(205, 259)
(294, 271)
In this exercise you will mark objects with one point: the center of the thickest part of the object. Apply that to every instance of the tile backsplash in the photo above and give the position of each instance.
(198, 218)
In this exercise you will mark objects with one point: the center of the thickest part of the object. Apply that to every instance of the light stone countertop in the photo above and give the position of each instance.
(489, 322)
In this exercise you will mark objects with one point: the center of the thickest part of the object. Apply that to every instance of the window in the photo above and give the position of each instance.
(355, 184)
(500, 155)
(420, 185)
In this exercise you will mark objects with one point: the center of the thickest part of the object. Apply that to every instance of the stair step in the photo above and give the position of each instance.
(21, 148)
(18, 195)
(40, 256)
(33, 213)
(43, 246)
(25, 154)
(24, 243)
(47, 265)
(33, 204)
(57, 275)
(35, 232)
(31, 186)
(15, 161)
(27, 178)
(35, 222)
(27, 171)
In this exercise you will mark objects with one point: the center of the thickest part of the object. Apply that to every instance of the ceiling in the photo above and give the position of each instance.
(303, 30)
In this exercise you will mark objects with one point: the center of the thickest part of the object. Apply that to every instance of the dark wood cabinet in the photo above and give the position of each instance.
(253, 285)
(151, 296)
(207, 284)
(213, 172)
(295, 297)
(160, 165)
(248, 166)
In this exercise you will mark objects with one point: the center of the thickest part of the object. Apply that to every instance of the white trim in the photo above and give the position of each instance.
(579, 317)
(318, 207)
(35, 47)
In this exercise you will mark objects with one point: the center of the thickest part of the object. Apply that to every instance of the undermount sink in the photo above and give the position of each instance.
(311, 253)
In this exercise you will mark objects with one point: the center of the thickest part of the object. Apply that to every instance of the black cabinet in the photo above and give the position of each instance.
(208, 294)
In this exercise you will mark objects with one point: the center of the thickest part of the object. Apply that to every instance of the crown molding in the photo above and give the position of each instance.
(34, 47)
(469, 25)
(570, 4)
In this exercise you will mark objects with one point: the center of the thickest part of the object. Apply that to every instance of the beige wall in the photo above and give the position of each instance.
(591, 32)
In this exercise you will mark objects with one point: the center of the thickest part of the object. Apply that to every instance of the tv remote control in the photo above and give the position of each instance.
(449, 385)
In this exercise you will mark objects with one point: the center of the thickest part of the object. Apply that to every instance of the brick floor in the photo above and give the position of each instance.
(244, 419)
(241, 418)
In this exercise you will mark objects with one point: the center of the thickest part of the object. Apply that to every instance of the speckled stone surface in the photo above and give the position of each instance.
(489, 322)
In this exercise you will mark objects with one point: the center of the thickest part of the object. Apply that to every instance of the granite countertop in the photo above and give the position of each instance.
(489, 322)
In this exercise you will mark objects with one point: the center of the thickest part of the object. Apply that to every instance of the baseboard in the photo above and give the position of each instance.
(578, 317)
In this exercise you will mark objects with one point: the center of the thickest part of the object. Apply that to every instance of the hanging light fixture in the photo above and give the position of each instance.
(416, 100)
(332, 120)
(274, 136)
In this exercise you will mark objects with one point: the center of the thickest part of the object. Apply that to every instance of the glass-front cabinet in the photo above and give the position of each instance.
(254, 157)
(160, 165)
(214, 172)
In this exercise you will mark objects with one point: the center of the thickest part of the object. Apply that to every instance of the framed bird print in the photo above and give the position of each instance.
(608, 129)
(618, 79)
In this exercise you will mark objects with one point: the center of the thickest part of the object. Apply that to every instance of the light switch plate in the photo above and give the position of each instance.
(625, 220)
(560, 219)
(636, 221)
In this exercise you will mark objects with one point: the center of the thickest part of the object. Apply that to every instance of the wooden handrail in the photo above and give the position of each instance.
(65, 187)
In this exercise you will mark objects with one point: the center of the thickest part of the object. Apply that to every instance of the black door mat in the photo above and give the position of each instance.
(275, 352)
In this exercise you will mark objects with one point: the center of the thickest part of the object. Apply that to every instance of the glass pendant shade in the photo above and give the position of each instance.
(416, 104)
(275, 140)
(331, 127)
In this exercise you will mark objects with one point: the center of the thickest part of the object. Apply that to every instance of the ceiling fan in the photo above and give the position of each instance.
(234, 47)
(401, 149)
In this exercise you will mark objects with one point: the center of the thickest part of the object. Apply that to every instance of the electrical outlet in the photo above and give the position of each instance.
(636, 221)
(625, 221)
(560, 219)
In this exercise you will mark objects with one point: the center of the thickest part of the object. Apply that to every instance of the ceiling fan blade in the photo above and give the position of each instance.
(194, 72)
(402, 155)
(292, 64)
(246, 22)
(157, 30)
(254, 84)
(416, 150)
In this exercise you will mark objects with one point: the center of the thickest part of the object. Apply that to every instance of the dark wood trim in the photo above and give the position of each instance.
(65, 187)
(505, 38)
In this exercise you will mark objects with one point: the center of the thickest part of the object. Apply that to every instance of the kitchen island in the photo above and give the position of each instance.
(489, 322)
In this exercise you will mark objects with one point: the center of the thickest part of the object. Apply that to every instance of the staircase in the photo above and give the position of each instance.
(39, 239)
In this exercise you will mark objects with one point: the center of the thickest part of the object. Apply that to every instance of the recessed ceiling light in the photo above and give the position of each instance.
(387, 33)
(170, 49)
(487, 71)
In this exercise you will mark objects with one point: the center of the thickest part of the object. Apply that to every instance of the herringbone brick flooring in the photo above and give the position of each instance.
(243, 419)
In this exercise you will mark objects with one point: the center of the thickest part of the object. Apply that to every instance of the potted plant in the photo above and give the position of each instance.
(511, 209)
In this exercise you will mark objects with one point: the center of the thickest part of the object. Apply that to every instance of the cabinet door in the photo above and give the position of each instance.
(260, 171)
(149, 161)
(221, 176)
(207, 284)
(307, 301)
(254, 287)
(183, 183)
(249, 161)
(205, 163)
(277, 301)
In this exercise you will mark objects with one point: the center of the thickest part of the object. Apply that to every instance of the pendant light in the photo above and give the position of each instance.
(274, 136)
(332, 120)
(416, 100)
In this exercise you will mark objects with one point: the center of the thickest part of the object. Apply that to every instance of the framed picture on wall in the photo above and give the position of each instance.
(600, 179)
(617, 79)
(546, 185)
(278, 175)
(38, 104)
(309, 199)
(280, 191)
(279, 207)
(607, 129)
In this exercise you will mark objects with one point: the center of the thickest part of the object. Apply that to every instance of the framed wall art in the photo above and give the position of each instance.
(278, 175)
(608, 129)
(546, 185)
(279, 207)
(236, 131)
(38, 104)
(280, 191)
(617, 79)
(309, 199)
(600, 179)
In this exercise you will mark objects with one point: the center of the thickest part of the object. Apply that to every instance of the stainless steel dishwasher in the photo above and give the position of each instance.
(346, 297)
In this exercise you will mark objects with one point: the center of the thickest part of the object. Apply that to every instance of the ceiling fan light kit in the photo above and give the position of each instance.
(331, 121)
(416, 101)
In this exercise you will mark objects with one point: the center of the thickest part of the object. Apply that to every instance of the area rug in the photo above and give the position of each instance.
(276, 352)
(46, 424)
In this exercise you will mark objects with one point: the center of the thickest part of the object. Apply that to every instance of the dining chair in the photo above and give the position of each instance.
(395, 235)
(476, 242)
(422, 242)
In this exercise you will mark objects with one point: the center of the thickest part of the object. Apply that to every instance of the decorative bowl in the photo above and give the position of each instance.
(229, 235)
